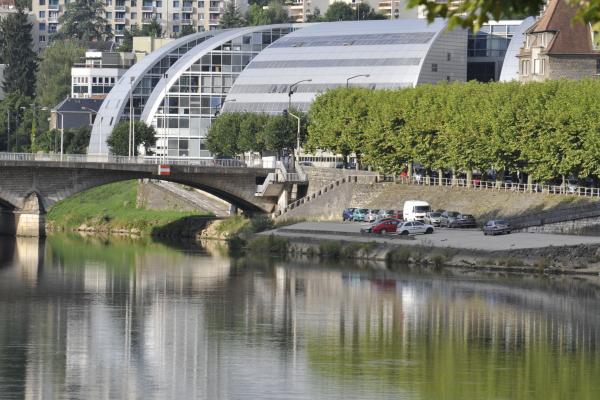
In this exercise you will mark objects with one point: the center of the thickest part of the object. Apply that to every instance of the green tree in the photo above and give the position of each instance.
(315, 16)
(153, 29)
(53, 79)
(83, 20)
(126, 45)
(474, 13)
(279, 133)
(118, 142)
(15, 123)
(16, 50)
(275, 13)
(365, 12)
(231, 17)
(223, 135)
(339, 11)
(251, 137)
(186, 30)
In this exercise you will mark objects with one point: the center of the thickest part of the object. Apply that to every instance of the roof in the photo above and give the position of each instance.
(75, 105)
(572, 37)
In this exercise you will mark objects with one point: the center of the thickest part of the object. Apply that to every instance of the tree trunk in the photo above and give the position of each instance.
(440, 176)
(529, 182)
(469, 177)
(410, 170)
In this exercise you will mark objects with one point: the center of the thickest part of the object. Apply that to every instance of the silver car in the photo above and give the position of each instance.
(433, 218)
(413, 228)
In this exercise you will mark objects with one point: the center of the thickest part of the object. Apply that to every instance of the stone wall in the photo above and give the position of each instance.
(320, 177)
(155, 197)
(571, 67)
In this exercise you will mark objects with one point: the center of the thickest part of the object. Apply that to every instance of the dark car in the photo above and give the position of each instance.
(347, 214)
(496, 227)
(464, 221)
(448, 217)
(382, 226)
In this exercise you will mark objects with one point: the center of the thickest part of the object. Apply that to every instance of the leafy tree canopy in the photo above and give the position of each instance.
(273, 14)
(231, 17)
(83, 20)
(340, 11)
(145, 138)
(16, 51)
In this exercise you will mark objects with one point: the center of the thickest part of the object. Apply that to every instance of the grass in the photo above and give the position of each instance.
(111, 207)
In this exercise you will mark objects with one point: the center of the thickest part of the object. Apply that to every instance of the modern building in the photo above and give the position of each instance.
(373, 54)
(557, 47)
(98, 73)
(173, 15)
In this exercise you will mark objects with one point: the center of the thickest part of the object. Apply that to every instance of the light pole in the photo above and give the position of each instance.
(292, 90)
(131, 116)
(34, 123)
(165, 107)
(62, 133)
(355, 76)
(290, 93)
(7, 130)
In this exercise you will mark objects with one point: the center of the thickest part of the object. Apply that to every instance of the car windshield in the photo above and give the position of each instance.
(374, 211)
(452, 214)
(467, 216)
(421, 209)
(434, 214)
(501, 222)
(361, 210)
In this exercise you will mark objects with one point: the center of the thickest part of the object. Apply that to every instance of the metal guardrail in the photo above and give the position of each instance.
(501, 186)
(85, 158)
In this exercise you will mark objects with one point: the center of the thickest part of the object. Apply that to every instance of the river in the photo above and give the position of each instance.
(90, 318)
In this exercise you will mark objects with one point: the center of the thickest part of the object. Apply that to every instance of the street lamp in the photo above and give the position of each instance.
(165, 109)
(131, 116)
(355, 76)
(34, 124)
(292, 89)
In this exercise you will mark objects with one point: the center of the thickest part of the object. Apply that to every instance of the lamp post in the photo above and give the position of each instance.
(62, 133)
(292, 90)
(7, 130)
(165, 108)
(290, 93)
(34, 123)
(355, 76)
(131, 116)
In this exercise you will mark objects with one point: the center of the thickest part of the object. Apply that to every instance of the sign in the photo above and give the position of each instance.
(164, 170)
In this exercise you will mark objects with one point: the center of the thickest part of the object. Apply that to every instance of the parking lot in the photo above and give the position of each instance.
(472, 239)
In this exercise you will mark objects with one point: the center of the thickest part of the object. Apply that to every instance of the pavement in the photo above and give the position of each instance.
(472, 239)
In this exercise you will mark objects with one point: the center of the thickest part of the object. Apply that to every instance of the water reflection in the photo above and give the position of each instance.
(93, 318)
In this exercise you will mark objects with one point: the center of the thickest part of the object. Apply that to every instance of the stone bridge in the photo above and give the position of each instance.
(29, 186)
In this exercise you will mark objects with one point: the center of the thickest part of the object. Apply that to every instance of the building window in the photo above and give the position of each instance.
(42, 38)
(538, 67)
(42, 2)
(42, 26)
(133, 15)
(524, 67)
(42, 14)
(434, 68)
(175, 28)
(176, 4)
(109, 15)
(448, 56)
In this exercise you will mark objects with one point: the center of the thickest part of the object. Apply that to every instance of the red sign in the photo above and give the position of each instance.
(164, 170)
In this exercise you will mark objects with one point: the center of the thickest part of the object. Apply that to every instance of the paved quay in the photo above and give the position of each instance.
(471, 239)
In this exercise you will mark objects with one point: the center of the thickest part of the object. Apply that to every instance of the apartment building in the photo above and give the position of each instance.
(98, 72)
(173, 15)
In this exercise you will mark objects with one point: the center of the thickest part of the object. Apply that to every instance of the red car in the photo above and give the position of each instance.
(383, 226)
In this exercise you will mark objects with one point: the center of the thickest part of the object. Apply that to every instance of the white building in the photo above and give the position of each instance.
(99, 72)
(393, 9)
(173, 15)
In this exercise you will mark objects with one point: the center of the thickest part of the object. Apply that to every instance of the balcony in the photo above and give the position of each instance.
(147, 20)
(187, 9)
(213, 22)
(120, 20)
(186, 22)
(53, 20)
(214, 9)
(148, 8)
(120, 8)
(53, 7)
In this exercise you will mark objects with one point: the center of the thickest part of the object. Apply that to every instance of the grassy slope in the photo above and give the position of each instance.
(110, 206)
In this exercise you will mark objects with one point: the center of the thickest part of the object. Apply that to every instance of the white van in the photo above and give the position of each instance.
(415, 210)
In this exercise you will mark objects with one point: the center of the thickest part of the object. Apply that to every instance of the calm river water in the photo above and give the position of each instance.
(120, 319)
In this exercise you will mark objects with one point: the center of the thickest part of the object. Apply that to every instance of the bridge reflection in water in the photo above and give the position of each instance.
(91, 318)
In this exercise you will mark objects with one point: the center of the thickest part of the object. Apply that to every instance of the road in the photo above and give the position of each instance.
(455, 238)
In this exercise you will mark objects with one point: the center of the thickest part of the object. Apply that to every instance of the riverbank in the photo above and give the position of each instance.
(113, 209)
(518, 252)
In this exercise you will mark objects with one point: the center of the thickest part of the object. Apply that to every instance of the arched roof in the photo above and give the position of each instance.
(510, 67)
(111, 110)
(391, 52)
(191, 57)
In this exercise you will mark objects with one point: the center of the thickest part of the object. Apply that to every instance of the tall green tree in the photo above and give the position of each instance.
(126, 45)
(474, 13)
(231, 17)
(275, 13)
(15, 123)
(16, 50)
(153, 29)
(339, 11)
(118, 142)
(186, 30)
(84, 20)
(53, 79)
(223, 135)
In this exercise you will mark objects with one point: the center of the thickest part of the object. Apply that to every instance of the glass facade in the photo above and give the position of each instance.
(198, 94)
(490, 41)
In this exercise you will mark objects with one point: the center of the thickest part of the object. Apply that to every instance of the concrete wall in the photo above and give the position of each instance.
(319, 177)
(455, 69)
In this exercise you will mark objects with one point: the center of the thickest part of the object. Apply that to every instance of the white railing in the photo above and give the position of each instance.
(87, 158)
(501, 186)
(269, 180)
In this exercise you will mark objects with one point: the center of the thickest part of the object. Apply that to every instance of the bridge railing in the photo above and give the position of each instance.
(90, 158)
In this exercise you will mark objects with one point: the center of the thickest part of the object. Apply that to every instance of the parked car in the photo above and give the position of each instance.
(390, 214)
(496, 227)
(383, 226)
(347, 214)
(448, 217)
(415, 210)
(359, 214)
(464, 221)
(433, 218)
(372, 215)
(413, 227)
(306, 163)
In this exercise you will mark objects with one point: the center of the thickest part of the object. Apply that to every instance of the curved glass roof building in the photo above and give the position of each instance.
(182, 86)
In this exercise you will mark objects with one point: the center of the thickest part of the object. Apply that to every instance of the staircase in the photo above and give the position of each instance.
(275, 183)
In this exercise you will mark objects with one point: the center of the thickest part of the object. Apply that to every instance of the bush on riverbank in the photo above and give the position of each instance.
(109, 208)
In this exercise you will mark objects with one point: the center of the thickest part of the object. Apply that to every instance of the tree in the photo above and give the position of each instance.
(474, 13)
(223, 135)
(118, 142)
(251, 137)
(339, 11)
(53, 80)
(279, 133)
(186, 30)
(84, 20)
(16, 50)
(128, 35)
(153, 29)
(273, 14)
(231, 17)
(15, 123)
(315, 16)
